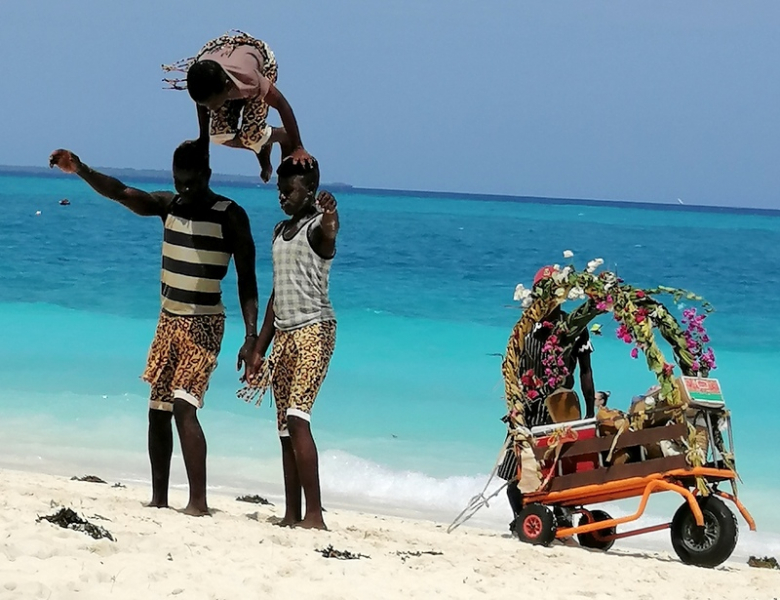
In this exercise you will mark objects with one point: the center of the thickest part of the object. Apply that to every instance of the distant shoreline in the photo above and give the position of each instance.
(246, 181)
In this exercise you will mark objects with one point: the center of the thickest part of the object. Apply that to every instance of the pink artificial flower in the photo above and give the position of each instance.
(532, 394)
(634, 352)
(640, 294)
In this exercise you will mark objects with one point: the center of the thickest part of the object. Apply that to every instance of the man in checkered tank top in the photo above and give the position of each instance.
(302, 324)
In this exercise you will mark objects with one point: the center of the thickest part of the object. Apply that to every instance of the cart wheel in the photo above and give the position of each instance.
(593, 539)
(706, 546)
(535, 525)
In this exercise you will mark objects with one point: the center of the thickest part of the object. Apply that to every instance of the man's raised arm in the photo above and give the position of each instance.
(140, 202)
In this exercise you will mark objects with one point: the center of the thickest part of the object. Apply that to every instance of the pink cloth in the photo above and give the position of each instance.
(244, 65)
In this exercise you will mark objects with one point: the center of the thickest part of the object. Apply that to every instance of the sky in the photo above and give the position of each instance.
(619, 100)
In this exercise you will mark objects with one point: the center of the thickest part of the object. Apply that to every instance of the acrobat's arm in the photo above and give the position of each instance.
(145, 204)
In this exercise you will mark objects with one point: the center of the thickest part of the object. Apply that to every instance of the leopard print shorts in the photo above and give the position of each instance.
(182, 358)
(300, 360)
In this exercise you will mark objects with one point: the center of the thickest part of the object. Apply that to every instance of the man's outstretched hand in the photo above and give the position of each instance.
(65, 160)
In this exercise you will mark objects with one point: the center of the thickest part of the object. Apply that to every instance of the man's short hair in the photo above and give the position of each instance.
(191, 155)
(310, 173)
(205, 78)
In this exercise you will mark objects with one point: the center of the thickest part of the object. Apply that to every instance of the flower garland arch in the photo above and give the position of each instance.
(638, 313)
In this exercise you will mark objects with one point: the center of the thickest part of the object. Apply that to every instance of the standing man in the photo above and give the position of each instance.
(202, 230)
(536, 412)
(300, 320)
(233, 77)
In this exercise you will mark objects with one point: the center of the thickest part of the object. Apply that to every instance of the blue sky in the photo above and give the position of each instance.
(620, 100)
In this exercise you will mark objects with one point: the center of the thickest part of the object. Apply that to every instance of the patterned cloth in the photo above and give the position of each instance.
(252, 75)
(300, 280)
(299, 363)
(536, 412)
(182, 358)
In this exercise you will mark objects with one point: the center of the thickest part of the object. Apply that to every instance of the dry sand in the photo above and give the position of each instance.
(239, 554)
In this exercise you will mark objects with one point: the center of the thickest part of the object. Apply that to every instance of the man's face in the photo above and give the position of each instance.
(190, 184)
(294, 196)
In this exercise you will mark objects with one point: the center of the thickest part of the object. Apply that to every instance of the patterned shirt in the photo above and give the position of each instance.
(300, 280)
(195, 259)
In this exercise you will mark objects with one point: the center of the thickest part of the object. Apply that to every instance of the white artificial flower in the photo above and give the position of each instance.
(576, 293)
(527, 302)
(556, 267)
(519, 292)
(592, 266)
(599, 261)
(568, 254)
(566, 271)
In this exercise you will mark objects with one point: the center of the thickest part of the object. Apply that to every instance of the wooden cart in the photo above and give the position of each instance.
(703, 530)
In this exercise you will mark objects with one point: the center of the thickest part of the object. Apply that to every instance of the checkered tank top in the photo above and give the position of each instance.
(300, 280)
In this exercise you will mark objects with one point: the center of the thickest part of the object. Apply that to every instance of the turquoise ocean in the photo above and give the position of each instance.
(408, 420)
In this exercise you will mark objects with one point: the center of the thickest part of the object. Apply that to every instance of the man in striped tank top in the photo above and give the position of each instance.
(300, 320)
(202, 231)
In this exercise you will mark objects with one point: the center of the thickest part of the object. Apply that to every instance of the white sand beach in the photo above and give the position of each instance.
(239, 553)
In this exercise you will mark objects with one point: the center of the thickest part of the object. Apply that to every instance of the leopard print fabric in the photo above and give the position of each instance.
(299, 363)
(182, 357)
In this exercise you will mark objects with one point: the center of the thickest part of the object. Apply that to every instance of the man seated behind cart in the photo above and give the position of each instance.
(537, 412)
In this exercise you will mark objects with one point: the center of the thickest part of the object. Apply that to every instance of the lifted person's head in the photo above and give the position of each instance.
(208, 84)
(191, 171)
(297, 183)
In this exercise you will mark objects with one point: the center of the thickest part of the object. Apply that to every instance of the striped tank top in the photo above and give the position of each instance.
(195, 258)
(300, 281)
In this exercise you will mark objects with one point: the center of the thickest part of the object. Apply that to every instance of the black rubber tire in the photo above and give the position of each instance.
(589, 540)
(535, 525)
(706, 546)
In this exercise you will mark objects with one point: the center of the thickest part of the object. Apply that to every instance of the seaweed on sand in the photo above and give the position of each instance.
(68, 519)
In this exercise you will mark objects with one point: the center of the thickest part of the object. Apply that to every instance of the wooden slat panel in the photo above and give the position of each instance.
(605, 474)
(626, 440)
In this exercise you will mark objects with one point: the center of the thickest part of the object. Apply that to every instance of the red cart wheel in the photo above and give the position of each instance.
(535, 525)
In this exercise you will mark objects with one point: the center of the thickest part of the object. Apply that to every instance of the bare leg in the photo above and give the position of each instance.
(160, 443)
(264, 159)
(193, 447)
(515, 497)
(292, 485)
(307, 462)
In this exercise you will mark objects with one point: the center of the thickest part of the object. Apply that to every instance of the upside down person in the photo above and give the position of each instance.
(232, 78)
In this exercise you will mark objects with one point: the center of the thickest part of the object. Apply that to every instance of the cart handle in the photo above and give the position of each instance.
(652, 486)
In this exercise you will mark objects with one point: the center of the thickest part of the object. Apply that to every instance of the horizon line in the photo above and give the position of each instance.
(238, 180)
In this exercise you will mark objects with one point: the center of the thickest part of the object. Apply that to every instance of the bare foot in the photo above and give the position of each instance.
(287, 522)
(312, 523)
(196, 511)
(157, 504)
